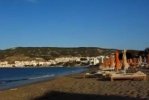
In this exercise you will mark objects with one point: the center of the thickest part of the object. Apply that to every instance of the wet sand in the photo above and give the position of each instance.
(76, 87)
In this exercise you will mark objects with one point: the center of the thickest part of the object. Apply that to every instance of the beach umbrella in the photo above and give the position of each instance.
(140, 60)
(112, 61)
(106, 62)
(125, 64)
(147, 58)
(144, 61)
(130, 62)
(117, 61)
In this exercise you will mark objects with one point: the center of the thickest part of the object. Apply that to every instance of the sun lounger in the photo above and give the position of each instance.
(89, 75)
(131, 76)
(93, 74)
(107, 69)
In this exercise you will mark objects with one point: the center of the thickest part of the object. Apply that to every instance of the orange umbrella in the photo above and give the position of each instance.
(117, 61)
(112, 61)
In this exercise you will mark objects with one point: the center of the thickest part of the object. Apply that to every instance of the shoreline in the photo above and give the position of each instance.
(14, 92)
(29, 81)
(58, 66)
(76, 87)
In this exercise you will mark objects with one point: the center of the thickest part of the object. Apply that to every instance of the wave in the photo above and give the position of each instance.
(44, 76)
(23, 79)
(12, 80)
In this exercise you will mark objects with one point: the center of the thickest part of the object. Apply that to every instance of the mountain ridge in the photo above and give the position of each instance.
(47, 53)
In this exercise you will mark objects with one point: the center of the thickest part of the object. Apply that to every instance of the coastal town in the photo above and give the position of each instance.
(56, 62)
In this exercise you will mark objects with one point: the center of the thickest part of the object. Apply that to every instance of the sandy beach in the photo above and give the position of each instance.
(76, 87)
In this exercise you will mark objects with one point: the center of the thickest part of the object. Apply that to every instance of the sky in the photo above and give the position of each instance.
(119, 24)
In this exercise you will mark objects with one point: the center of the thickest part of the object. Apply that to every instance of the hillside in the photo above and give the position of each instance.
(46, 53)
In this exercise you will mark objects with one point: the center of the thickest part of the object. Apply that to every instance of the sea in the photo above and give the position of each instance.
(11, 78)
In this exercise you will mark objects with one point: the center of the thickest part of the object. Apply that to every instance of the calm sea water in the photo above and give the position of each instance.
(14, 77)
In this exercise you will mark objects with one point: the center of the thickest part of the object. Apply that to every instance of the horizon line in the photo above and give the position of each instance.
(66, 47)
